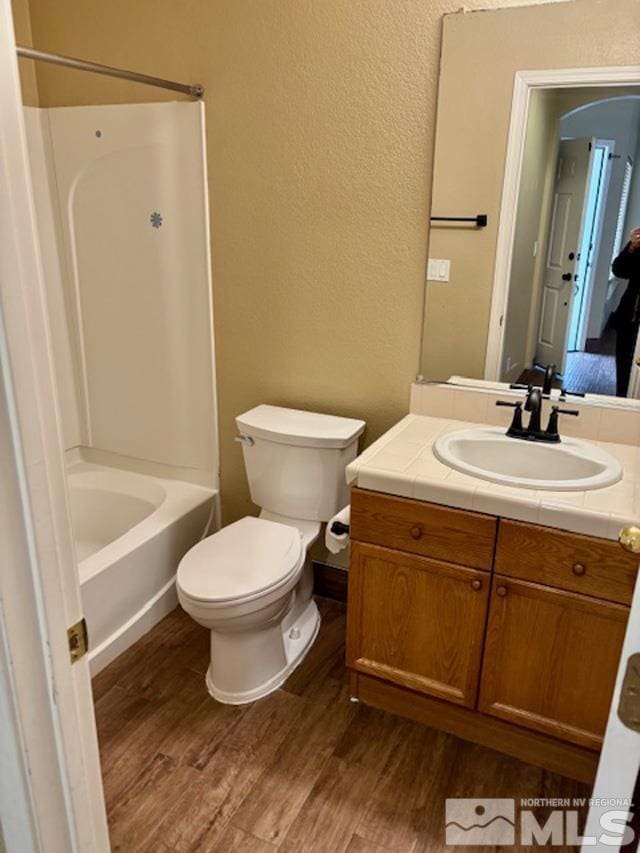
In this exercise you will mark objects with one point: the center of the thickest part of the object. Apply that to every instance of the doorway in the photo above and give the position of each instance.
(587, 208)
(595, 198)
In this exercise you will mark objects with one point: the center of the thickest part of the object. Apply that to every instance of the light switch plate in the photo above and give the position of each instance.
(438, 269)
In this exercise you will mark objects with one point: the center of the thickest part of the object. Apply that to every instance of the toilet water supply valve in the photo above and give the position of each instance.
(338, 528)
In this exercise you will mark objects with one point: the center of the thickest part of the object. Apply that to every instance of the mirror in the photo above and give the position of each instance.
(579, 197)
(546, 143)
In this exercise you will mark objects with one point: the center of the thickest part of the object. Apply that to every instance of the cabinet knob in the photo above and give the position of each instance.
(476, 584)
(416, 532)
(579, 569)
(501, 591)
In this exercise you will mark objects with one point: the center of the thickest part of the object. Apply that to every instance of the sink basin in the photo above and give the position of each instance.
(487, 453)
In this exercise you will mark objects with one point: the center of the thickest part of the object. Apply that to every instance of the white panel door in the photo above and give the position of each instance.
(619, 764)
(569, 195)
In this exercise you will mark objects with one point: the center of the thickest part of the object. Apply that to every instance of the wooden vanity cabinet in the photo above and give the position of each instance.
(465, 538)
(598, 568)
(417, 622)
(550, 659)
(503, 633)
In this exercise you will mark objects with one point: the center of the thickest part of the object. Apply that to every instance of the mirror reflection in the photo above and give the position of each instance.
(574, 286)
(539, 133)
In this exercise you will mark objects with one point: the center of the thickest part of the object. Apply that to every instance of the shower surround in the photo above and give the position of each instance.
(123, 221)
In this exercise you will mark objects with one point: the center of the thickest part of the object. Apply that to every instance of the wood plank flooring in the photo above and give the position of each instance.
(590, 372)
(303, 770)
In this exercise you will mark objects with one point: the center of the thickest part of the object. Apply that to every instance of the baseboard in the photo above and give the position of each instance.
(330, 581)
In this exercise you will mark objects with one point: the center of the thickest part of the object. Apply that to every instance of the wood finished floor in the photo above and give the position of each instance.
(303, 770)
(589, 372)
(585, 373)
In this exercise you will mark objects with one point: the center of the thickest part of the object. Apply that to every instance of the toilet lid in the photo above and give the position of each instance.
(241, 560)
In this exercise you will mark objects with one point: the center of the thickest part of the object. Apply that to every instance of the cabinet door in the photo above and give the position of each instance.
(416, 622)
(550, 660)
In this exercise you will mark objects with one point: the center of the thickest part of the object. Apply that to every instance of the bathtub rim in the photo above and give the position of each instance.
(180, 498)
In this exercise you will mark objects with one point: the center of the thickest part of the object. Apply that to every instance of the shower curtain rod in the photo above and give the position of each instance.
(196, 91)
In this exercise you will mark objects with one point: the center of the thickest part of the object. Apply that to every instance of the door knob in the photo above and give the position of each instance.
(476, 584)
(501, 591)
(567, 276)
(629, 538)
(416, 532)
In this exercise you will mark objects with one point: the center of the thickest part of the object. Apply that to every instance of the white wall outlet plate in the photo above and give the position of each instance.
(438, 269)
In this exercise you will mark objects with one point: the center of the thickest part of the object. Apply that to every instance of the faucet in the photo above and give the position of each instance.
(549, 376)
(534, 431)
(533, 404)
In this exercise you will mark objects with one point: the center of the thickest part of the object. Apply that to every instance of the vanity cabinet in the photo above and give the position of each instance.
(466, 538)
(501, 632)
(417, 622)
(550, 660)
(595, 567)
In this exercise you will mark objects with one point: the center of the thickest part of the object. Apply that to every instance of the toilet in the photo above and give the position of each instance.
(251, 583)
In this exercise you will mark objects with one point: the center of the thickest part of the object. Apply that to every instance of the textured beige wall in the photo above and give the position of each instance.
(481, 52)
(320, 117)
(22, 28)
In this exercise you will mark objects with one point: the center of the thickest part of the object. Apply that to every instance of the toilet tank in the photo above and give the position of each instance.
(295, 460)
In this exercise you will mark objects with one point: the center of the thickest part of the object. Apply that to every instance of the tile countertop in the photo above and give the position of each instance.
(401, 462)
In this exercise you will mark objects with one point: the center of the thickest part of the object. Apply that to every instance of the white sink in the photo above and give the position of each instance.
(487, 453)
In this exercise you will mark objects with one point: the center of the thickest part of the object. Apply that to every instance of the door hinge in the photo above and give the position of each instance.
(629, 705)
(78, 640)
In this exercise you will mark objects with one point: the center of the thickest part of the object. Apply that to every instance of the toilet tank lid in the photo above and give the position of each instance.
(299, 428)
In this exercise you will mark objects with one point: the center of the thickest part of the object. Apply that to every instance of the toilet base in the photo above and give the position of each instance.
(296, 638)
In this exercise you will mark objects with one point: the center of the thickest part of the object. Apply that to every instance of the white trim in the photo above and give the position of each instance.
(619, 762)
(507, 226)
(17, 821)
(47, 698)
(217, 517)
(524, 82)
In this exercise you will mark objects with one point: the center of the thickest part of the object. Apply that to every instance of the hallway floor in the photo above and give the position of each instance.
(591, 373)
(303, 770)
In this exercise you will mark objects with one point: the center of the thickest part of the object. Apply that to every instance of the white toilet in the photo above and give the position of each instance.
(251, 583)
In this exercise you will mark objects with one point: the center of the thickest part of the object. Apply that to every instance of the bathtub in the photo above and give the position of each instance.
(131, 531)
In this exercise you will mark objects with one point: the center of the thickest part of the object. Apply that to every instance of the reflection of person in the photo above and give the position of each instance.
(627, 316)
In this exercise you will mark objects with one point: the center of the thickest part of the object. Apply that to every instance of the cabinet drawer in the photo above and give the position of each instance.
(569, 561)
(426, 529)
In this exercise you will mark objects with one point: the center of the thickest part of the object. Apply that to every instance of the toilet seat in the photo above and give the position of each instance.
(248, 559)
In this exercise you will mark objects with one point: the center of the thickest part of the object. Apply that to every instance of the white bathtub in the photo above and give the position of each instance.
(131, 531)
